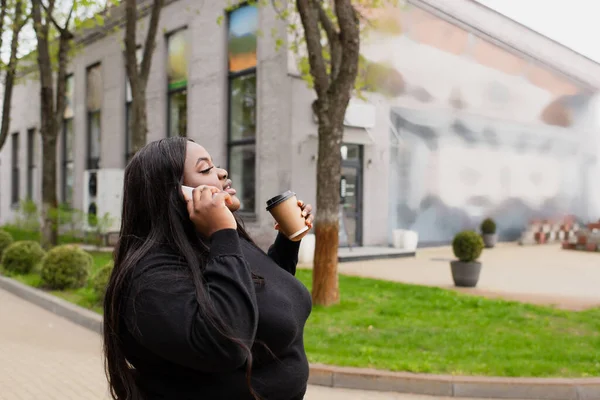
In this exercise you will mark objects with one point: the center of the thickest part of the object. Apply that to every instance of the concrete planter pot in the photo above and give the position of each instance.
(405, 239)
(490, 240)
(465, 274)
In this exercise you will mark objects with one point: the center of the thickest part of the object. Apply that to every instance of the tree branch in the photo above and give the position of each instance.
(70, 15)
(24, 22)
(309, 14)
(2, 17)
(49, 13)
(350, 44)
(151, 39)
(333, 39)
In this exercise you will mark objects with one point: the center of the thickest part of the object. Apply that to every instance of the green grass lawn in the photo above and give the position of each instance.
(393, 326)
(399, 327)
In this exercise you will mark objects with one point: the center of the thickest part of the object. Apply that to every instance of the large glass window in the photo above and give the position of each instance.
(177, 79)
(14, 194)
(67, 146)
(242, 36)
(94, 107)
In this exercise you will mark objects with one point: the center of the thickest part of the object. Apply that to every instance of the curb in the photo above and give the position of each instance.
(368, 379)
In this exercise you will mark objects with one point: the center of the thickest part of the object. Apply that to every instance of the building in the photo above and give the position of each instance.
(474, 116)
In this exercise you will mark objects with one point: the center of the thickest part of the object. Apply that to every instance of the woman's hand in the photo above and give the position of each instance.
(306, 214)
(208, 210)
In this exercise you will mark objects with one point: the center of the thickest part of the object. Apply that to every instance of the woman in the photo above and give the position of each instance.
(193, 309)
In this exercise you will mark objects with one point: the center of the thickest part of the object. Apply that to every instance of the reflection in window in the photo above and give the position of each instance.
(67, 162)
(243, 107)
(178, 113)
(15, 172)
(177, 76)
(94, 130)
(243, 28)
(94, 88)
(94, 105)
(242, 161)
(30, 161)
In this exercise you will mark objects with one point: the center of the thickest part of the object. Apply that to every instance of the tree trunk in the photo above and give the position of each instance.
(139, 121)
(138, 71)
(325, 290)
(49, 198)
(11, 69)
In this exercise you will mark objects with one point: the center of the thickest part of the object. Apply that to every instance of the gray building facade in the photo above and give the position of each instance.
(455, 80)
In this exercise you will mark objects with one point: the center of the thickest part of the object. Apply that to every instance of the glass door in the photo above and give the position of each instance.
(351, 196)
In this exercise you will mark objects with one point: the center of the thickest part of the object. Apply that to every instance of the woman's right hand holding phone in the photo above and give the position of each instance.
(208, 210)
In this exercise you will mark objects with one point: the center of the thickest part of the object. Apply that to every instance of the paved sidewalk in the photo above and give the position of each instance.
(539, 274)
(45, 357)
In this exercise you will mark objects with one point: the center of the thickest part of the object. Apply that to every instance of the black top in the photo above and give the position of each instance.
(178, 355)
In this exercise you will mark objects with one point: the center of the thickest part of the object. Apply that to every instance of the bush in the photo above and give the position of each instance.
(100, 280)
(488, 226)
(6, 240)
(467, 246)
(22, 257)
(66, 267)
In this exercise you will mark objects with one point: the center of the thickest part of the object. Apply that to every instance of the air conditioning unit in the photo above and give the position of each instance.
(103, 199)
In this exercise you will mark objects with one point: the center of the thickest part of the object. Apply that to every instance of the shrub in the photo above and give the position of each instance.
(488, 226)
(66, 267)
(22, 257)
(6, 240)
(467, 246)
(100, 280)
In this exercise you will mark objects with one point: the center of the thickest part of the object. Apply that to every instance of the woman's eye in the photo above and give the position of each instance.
(206, 171)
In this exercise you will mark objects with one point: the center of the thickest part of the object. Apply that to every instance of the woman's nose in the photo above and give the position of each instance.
(223, 174)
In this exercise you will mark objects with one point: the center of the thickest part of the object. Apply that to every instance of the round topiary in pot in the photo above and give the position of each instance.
(66, 267)
(6, 240)
(467, 247)
(488, 231)
(22, 257)
(100, 280)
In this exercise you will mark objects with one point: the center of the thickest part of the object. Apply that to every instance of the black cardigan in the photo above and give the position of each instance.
(177, 354)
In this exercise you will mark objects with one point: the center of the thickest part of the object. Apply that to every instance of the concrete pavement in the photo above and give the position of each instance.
(46, 357)
(539, 274)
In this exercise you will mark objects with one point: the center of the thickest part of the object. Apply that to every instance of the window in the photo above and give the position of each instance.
(30, 161)
(67, 146)
(128, 111)
(177, 76)
(94, 113)
(242, 36)
(14, 198)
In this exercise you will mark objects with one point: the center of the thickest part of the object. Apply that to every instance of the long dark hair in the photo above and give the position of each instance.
(154, 213)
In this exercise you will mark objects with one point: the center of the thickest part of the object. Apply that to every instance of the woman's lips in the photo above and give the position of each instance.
(231, 191)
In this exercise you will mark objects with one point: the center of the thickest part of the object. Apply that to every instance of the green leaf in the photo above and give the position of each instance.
(220, 20)
(99, 20)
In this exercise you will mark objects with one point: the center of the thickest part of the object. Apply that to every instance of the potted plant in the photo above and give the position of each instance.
(488, 231)
(467, 247)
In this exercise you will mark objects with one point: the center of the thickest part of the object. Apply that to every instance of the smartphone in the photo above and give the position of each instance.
(187, 190)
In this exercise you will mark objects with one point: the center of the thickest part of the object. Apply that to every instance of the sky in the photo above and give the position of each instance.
(573, 23)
